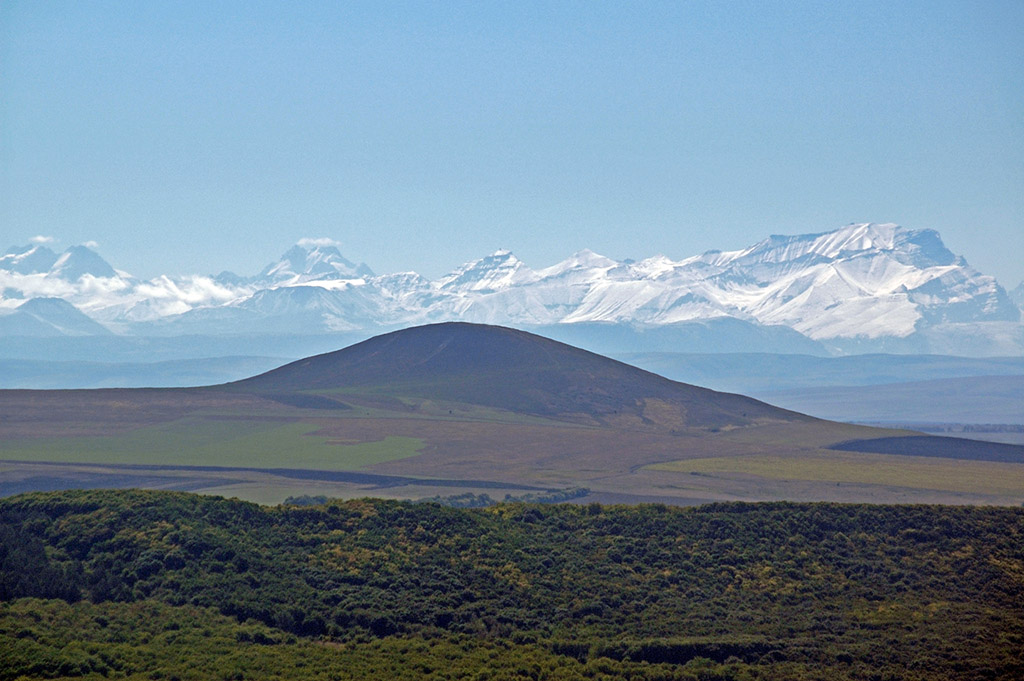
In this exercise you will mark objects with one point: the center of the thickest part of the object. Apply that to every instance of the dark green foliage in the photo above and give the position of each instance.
(26, 570)
(307, 500)
(155, 641)
(470, 500)
(552, 497)
(720, 591)
(465, 500)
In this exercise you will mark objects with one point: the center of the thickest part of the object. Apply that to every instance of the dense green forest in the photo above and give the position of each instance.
(155, 585)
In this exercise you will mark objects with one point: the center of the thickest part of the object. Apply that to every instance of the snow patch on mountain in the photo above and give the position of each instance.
(863, 286)
(310, 260)
(79, 261)
(499, 270)
(49, 317)
(582, 265)
(32, 259)
(1017, 295)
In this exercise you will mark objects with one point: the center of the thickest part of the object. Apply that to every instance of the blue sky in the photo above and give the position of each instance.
(197, 136)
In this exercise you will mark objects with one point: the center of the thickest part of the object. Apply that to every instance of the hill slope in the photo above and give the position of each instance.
(513, 370)
(418, 412)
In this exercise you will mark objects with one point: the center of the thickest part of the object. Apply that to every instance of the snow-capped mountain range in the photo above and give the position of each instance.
(860, 287)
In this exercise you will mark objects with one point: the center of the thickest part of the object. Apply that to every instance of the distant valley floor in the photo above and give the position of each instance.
(292, 452)
(453, 409)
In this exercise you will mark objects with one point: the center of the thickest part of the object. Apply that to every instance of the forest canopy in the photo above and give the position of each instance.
(117, 582)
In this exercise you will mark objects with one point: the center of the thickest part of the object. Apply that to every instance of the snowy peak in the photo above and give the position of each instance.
(919, 248)
(33, 259)
(841, 243)
(403, 281)
(78, 261)
(497, 271)
(855, 286)
(923, 248)
(71, 265)
(580, 261)
(50, 317)
(856, 238)
(586, 259)
(309, 260)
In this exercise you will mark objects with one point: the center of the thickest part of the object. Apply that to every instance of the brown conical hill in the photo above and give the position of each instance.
(512, 370)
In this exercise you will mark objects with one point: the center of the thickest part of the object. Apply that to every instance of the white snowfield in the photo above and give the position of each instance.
(862, 281)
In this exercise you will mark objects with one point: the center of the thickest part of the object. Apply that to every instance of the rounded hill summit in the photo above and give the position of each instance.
(512, 370)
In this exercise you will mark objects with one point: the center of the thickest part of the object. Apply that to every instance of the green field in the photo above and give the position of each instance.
(950, 475)
(562, 419)
(216, 442)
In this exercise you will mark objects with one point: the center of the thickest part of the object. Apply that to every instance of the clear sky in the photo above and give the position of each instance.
(198, 136)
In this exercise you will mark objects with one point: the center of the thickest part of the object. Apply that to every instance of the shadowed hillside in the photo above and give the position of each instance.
(512, 370)
(465, 408)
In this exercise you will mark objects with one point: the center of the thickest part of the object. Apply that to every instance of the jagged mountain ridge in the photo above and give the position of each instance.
(310, 261)
(863, 285)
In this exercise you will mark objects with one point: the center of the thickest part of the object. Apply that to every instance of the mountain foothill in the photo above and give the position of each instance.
(468, 407)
